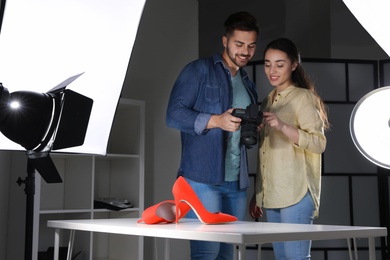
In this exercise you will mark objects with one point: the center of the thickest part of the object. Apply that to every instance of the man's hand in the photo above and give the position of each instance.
(225, 121)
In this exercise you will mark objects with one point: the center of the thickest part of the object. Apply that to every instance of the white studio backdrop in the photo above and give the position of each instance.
(44, 42)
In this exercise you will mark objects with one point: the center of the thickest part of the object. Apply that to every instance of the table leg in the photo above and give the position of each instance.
(349, 249)
(259, 252)
(241, 252)
(56, 243)
(166, 248)
(371, 248)
(70, 244)
(355, 251)
(355, 247)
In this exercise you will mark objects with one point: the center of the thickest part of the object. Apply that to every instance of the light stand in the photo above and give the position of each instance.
(29, 190)
(34, 53)
(370, 131)
(40, 123)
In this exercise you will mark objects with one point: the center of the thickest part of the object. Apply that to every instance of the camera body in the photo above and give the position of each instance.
(251, 117)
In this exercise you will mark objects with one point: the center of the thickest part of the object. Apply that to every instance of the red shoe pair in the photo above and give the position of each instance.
(185, 198)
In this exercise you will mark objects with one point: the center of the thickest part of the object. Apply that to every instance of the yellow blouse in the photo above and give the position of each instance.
(286, 171)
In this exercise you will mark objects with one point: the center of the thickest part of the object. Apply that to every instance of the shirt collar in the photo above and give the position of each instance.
(285, 92)
(217, 58)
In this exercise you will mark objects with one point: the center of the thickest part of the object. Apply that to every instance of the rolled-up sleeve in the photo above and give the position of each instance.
(311, 131)
(201, 123)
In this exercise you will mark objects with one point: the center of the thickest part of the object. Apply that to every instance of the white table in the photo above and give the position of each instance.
(240, 233)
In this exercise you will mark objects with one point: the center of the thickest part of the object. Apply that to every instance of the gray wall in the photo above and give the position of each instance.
(167, 39)
(321, 28)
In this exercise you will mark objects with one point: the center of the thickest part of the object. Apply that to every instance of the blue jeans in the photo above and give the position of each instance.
(300, 213)
(226, 198)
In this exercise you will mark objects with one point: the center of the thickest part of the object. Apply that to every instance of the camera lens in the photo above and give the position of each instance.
(249, 134)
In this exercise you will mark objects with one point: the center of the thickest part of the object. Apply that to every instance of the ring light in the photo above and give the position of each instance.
(370, 126)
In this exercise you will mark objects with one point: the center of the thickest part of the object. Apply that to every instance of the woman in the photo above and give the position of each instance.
(291, 143)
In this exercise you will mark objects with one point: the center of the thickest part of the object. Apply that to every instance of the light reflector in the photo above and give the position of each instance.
(370, 126)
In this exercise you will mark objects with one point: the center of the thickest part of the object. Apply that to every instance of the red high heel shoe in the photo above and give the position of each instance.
(184, 194)
(163, 212)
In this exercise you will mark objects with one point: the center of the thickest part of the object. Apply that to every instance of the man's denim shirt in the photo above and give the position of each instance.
(202, 89)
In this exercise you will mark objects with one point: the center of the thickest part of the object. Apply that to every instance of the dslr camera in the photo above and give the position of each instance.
(251, 117)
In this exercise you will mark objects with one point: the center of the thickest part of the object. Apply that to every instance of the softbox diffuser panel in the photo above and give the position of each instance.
(373, 15)
(43, 42)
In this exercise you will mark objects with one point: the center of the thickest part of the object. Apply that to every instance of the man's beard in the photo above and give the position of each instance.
(236, 61)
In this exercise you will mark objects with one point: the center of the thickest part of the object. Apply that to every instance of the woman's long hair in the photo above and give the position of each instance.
(299, 76)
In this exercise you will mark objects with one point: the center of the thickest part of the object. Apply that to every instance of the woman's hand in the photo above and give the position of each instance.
(254, 210)
(273, 120)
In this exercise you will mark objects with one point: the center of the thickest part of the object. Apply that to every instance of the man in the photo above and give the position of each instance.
(214, 162)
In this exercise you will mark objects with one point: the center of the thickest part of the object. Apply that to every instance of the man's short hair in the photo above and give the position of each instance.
(242, 21)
